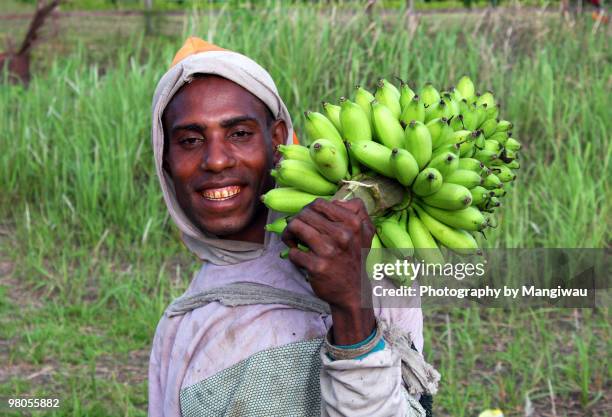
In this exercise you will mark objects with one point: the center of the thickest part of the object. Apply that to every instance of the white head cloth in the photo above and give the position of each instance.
(252, 77)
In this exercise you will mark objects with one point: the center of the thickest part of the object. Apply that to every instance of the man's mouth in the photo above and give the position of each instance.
(222, 193)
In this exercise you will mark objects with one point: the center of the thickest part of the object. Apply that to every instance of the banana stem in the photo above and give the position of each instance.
(378, 193)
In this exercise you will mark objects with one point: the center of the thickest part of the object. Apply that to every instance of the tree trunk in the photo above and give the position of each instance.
(18, 62)
(148, 17)
(410, 6)
(370, 8)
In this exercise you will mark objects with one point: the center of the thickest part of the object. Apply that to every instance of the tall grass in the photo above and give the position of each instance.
(89, 235)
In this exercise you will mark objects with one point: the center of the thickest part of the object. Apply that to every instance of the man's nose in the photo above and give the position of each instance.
(217, 156)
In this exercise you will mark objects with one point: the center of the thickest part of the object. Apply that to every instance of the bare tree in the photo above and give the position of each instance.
(564, 6)
(369, 8)
(410, 6)
(148, 16)
(18, 61)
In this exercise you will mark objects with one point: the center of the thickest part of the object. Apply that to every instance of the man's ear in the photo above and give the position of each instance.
(279, 136)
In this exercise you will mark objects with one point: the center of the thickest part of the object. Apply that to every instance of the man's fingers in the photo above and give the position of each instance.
(306, 260)
(333, 212)
(337, 213)
(354, 205)
(302, 232)
(318, 221)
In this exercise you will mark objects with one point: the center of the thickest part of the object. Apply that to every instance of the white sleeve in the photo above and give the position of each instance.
(370, 387)
(156, 393)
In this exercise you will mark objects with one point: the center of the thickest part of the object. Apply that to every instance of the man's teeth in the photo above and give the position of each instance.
(221, 193)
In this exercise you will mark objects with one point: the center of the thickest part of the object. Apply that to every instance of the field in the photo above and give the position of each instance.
(89, 257)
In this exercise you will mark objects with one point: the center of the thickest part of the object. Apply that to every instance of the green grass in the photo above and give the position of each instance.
(91, 259)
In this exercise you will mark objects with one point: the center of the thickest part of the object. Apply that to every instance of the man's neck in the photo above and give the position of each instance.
(255, 232)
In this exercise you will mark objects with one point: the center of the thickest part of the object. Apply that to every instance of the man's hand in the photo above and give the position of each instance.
(335, 232)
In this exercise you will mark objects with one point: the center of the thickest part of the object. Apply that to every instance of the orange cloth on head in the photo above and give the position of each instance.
(194, 45)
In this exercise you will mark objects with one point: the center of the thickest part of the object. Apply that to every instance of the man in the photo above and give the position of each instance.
(254, 335)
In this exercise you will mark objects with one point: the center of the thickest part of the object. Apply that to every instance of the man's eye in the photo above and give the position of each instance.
(189, 141)
(241, 134)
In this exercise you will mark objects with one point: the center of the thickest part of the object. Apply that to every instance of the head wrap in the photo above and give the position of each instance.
(200, 57)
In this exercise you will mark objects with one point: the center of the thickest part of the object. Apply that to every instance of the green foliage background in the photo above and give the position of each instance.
(93, 258)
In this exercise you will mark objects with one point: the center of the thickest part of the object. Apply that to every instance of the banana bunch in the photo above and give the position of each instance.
(453, 156)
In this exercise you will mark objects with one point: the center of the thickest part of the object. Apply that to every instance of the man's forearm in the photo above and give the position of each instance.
(352, 325)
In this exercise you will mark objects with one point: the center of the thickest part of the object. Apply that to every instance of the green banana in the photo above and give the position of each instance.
(492, 181)
(277, 226)
(425, 245)
(332, 112)
(318, 126)
(455, 94)
(513, 164)
(388, 129)
(437, 111)
(488, 127)
(406, 95)
(449, 197)
(465, 86)
(479, 195)
(503, 126)
(512, 144)
(467, 149)
(500, 137)
(499, 192)
(391, 87)
(456, 123)
(363, 98)
(418, 142)
(288, 200)
(404, 166)
(278, 179)
(465, 177)
(427, 182)
(449, 147)
(493, 202)
(492, 145)
(429, 94)
(510, 154)
(492, 112)
(415, 110)
(460, 136)
(479, 140)
(388, 95)
(375, 255)
(452, 105)
(395, 237)
(354, 121)
(446, 163)
(485, 156)
(304, 176)
(504, 173)
(330, 163)
(469, 218)
(373, 155)
(471, 118)
(294, 151)
(440, 131)
(455, 239)
(486, 99)
(471, 164)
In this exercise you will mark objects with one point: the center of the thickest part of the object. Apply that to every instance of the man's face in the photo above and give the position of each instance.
(220, 150)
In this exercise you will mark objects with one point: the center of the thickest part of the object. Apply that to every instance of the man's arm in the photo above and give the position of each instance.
(354, 384)
(335, 232)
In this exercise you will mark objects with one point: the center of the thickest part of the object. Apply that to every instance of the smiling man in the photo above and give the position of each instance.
(256, 335)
